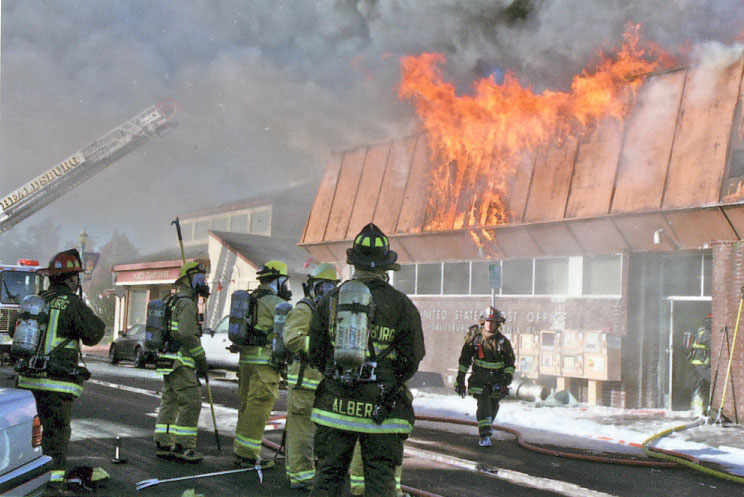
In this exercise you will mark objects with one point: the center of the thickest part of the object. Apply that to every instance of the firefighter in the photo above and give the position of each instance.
(181, 365)
(258, 381)
(303, 378)
(491, 355)
(369, 403)
(58, 381)
(699, 358)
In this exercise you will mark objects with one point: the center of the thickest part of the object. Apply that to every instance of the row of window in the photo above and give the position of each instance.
(255, 222)
(599, 275)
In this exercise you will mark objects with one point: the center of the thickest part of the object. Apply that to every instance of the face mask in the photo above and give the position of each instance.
(199, 284)
(322, 287)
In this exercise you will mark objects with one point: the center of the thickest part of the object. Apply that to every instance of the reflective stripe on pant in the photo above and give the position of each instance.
(356, 474)
(300, 433)
(488, 407)
(180, 405)
(55, 413)
(258, 389)
(334, 448)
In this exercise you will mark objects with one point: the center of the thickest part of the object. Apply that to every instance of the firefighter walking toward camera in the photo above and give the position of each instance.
(366, 338)
(699, 358)
(52, 372)
(303, 378)
(181, 363)
(492, 358)
(258, 379)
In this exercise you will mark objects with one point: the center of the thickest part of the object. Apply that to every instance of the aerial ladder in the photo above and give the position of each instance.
(80, 166)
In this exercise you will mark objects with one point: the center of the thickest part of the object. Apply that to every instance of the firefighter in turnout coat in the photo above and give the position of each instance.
(258, 381)
(369, 403)
(60, 382)
(181, 364)
(699, 357)
(492, 358)
(303, 378)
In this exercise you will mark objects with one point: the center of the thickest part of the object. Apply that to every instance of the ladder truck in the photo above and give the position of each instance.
(71, 172)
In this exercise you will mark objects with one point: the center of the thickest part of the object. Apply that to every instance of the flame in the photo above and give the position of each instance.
(477, 140)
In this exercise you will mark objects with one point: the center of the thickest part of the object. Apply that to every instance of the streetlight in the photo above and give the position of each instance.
(83, 239)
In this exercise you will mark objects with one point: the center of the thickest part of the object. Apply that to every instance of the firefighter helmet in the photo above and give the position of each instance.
(190, 268)
(272, 269)
(495, 315)
(62, 263)
(371, 249)
(324, 271)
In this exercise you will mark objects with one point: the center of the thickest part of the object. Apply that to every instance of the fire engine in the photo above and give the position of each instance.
(16, 282)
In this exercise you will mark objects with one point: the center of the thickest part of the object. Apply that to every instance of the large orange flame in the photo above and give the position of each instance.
(477, 140)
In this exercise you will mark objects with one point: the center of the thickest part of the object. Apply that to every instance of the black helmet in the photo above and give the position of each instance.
(495, 315)
(371, 249)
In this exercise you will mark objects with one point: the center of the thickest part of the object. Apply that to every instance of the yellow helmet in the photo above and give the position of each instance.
(190, 268)
(272, 269)
(324, 271)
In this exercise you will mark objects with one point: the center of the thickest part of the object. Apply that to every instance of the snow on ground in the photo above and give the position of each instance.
(598, 429)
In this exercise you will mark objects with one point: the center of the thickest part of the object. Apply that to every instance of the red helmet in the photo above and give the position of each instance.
(63, 262)
(495, 315)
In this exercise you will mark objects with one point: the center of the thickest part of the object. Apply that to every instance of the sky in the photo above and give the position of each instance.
(269, 90)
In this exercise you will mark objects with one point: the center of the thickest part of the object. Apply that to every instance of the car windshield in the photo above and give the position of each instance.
(14, 285)
(222, 325)
(137, 329)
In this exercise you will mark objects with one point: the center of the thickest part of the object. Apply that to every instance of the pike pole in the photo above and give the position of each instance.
(206, 373)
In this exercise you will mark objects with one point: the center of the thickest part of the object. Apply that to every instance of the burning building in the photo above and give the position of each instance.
(604, 244)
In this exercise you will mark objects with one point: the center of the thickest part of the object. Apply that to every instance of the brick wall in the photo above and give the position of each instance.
(728, 284)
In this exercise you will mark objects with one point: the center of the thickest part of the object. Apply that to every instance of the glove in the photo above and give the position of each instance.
(202, 367)
(461, 390)
(504, 390)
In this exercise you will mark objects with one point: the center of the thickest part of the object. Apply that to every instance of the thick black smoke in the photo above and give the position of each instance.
(269, 88)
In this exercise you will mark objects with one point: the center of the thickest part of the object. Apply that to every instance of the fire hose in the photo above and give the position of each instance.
(672, 459)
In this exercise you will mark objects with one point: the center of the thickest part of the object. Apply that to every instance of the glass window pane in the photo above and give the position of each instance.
(708, 269)
(682, 275)
(239, 223)
(429, 279)
(201, 230)
(602, 275)
(405, 279)
(260, 222)
(137, 307)
(480, 283)
(516, 277)
(456, 278)
(219, 224)
(551, 276)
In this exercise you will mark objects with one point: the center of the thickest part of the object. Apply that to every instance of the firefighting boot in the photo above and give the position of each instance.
(485, 441)
(164, 451)
(249, 462)
(190, 455)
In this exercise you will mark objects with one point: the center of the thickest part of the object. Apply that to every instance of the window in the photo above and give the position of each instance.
(239, 223)
(480, 284)
(219, 224)
(137, 307)
(602, 275)
(551, 276)
(15, 285)
(261, 222)
(429, 279)
(201, 230)
(708, 274)
(516, 277)
(456, 278)
(405, 279)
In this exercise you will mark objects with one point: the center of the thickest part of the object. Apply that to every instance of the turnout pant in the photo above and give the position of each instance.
(300, 433)
(488, 407)
(180, 405)
(356, 474)
(55, 413)
(258, 388)
(381, 453)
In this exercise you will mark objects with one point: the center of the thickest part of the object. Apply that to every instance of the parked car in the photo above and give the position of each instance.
(215, 344)
(24, 470)
(130, 346)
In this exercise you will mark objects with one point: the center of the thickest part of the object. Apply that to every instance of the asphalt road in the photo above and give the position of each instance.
(440, 459)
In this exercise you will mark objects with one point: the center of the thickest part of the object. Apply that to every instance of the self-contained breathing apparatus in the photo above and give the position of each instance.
(243, 318)
(352, 311)
(28, 341)
(279, 353)
(158, 334)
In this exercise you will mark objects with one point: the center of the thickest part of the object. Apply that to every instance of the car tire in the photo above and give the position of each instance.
(139, 358)
(112, 355)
